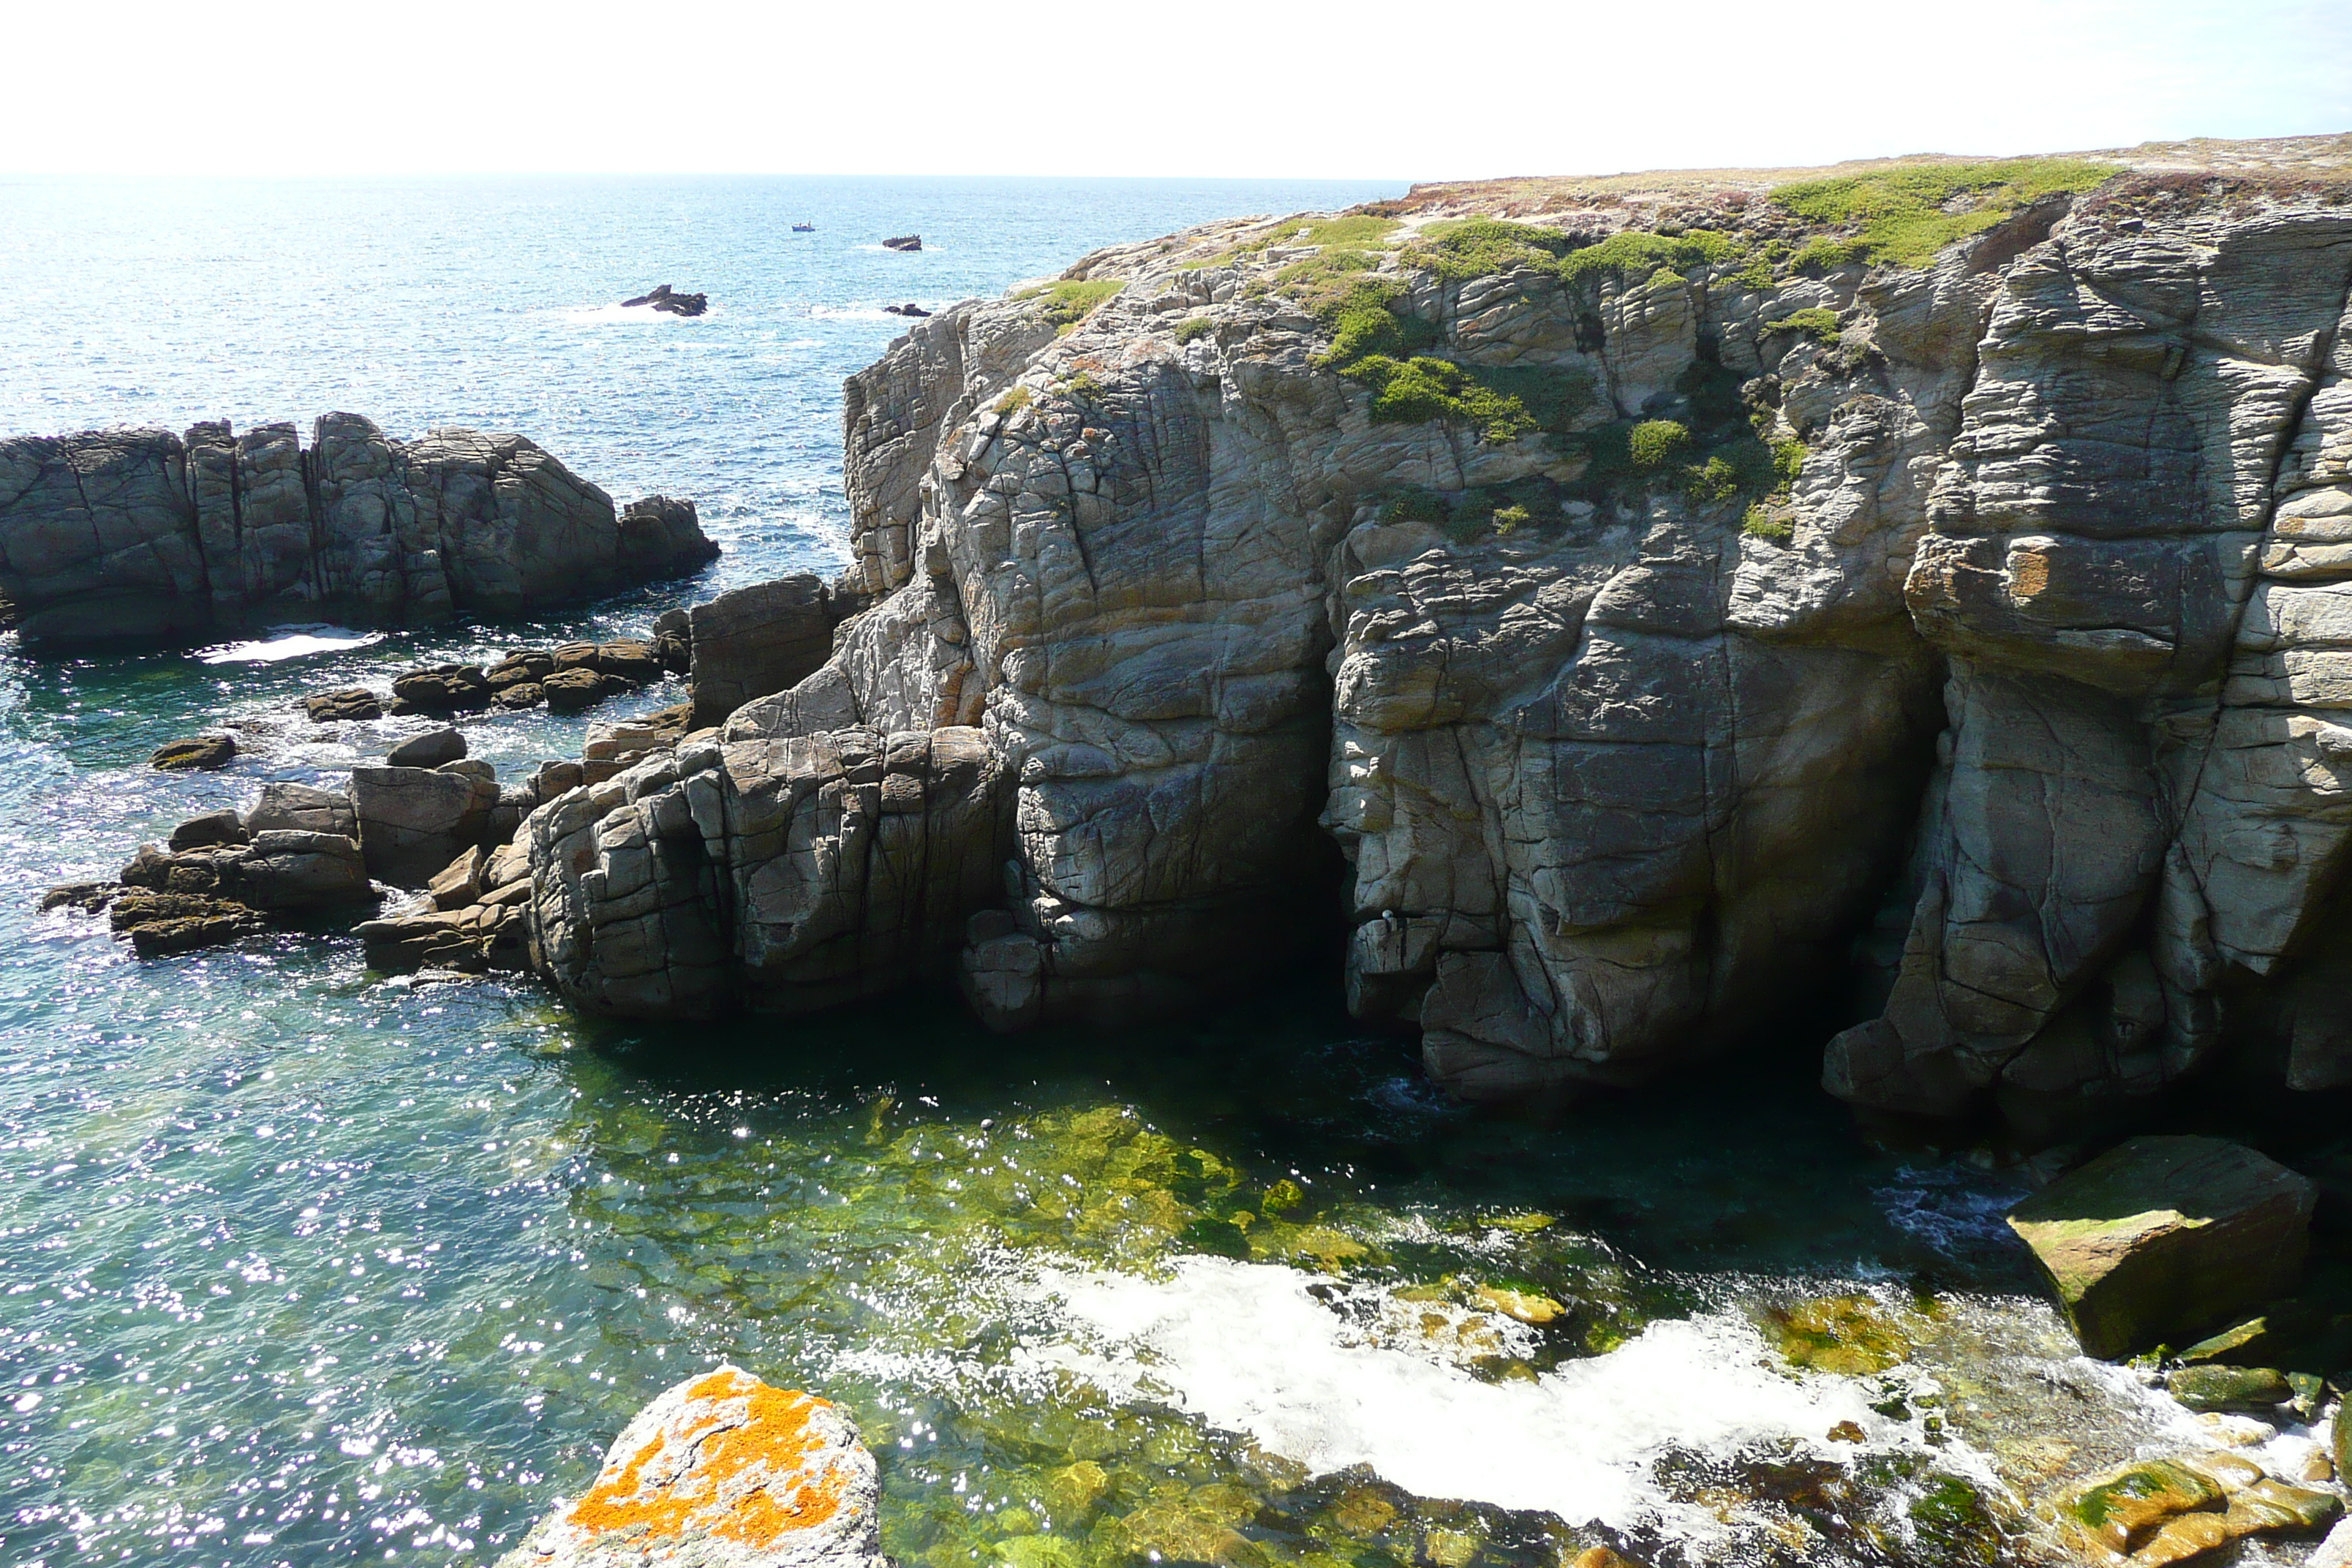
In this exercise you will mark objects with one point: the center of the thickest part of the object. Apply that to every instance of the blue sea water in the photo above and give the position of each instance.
(301, 1264)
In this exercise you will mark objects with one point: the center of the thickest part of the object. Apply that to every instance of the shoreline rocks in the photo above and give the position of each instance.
(153, 536)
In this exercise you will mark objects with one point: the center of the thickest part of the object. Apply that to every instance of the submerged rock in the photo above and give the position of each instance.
(162, 924)
(721, 1471)
(353, 703)
(2162, 1239)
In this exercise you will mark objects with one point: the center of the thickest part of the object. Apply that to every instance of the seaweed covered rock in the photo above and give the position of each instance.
(145, 534)
(2163, 1239)
(204, 753)
(721, 1471)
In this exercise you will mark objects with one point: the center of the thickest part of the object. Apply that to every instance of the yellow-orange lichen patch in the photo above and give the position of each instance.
(738, 1461)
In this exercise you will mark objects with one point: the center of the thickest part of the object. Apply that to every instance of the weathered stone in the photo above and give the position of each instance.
(202, 753)
(428, 751)
(353, 703)
(162, 924)
(2163, 1239)
(302, 808)
(413, 821)
(721, 1471)
(442, 689)
(752, 641)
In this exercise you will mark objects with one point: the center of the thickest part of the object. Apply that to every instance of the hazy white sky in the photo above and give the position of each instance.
(1206, 88)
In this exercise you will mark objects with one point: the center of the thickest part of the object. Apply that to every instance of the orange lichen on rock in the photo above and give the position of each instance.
(740, 1460)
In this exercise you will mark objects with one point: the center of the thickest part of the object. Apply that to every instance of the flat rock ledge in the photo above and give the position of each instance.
(722, 1471)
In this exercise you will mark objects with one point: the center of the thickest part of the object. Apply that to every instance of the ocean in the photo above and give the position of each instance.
(304, 1263)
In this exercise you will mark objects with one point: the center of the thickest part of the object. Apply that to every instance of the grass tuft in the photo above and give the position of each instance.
(1194, 327)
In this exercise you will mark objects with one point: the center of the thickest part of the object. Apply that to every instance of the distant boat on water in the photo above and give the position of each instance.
(804, 228)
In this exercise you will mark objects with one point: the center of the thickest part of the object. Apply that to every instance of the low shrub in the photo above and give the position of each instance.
(1194, 327)
(1654, 442)
(1639, 253)
(1815, 321)
(1908, 215)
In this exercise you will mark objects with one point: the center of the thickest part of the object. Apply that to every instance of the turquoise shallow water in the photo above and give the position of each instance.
(304, 1265)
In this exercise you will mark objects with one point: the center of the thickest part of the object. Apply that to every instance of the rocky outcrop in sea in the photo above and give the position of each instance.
(144, 534)
(1647, 597)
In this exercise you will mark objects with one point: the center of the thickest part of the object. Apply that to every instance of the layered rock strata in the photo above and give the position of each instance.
(1671, 614)
(148, 534)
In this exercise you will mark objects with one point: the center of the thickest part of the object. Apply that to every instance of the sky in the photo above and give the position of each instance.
(1206, 88)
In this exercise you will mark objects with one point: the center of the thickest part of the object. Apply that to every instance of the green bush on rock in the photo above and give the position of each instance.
(1638, 253)
(1816, 321)
(1654, 442)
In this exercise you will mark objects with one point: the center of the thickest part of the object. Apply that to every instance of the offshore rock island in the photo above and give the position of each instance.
(146, 535)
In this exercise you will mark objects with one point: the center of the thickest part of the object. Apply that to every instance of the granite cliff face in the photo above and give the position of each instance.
(1676, 601)
(149, 535)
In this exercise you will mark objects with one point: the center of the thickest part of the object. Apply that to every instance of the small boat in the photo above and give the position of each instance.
(904, 242)
(804, 228)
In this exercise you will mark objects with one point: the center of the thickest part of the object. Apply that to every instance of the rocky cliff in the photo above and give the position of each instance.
(1674, 597)
(146, 534)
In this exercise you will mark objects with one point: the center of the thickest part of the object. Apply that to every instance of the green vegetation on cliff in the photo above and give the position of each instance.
(1908, 215)
(1638, 254)
(1069, 302)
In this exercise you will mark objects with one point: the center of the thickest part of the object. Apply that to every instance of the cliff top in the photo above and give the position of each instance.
(2300, 159)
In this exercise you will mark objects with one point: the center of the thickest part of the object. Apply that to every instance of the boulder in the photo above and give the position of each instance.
(351, 703)
(577, 688)
(903, 242)
(753, 641)
(519, 695)
(909, 308)
(148, 535)
(302, 808)
(413, 821)
(290, 868)
(725, 1471)
(428, 751)
(212, 827)
(202, 754)
(2162, 1239)
(442, 689)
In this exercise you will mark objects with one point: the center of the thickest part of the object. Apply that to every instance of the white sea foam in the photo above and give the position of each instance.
(1248, 1348)
(292, 643)
(618, 315)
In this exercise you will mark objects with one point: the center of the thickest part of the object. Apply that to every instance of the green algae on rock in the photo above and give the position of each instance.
(2163, 1237)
